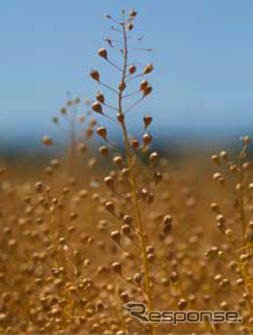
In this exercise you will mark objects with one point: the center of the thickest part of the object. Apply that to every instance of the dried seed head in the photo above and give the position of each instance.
(63, 110)
(129, 26)
(109, 205)
(250, 186)
(116, 266)
(103, 150)
(128, 219)
(126, 230)
(246, 140)
(95, 75)
(132, 69)
(46, 140)
(146, 91)
(215, 207)
(120, 117)
(153, 157)
(147, 138)
(96, 107)
(55, 119)
(182, 304)
(122, 86)
(215, 159)
(157, 177)
(101, 131)
(147, 119)
(109, 181)
(134, 143)
(81, 147)
(103, 53)
(132, 13)
(143, 85)
(118, 161)
(115, 235)
(224, 155)
(148, 69)
(100, 97)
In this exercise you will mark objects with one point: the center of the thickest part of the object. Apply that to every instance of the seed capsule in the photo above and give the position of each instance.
(116, 266)
(46, 140)
(132, 69)
(95, 75)
(103, 150)
(148, 69)
(100, 97)
(147, 120)
(115, 235)
(143, 85)
(122, 86)
(97, 108)
(146, 91)
(101, 131)
(147, 138)
(103, 53)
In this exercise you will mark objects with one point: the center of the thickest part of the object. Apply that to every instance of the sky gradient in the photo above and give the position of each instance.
(203, 54)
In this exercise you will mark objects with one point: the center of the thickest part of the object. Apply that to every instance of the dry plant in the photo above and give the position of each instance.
(99, 231)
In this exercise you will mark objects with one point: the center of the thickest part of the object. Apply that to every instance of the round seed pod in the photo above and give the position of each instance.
(103, 53)
(46, 140)
(115, 235)
(246, 140)
(122, 86)
(128, 219)
(97, 108)
(132, 69)
(109, 181)
(100, 97)
(146, 91)
(147, 138)
(103, 150)
(132, 13)
(109, 205)
(101, 131)
(134, 143)
(118, 161)
(120, 117)
(95, 75)
(147, 119)
(143, 85)
(116, 266)
(129, 26)
(148, 69)
(153, 157)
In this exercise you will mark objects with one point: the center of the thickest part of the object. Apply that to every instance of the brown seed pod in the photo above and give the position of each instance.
(146, 91)
(147, 138)
(101, 131)
(100, 97)
(116, 266)
(103, 53)
(109, 205)
(97, 107)
(129, 26)
(122, 86)
(115, 235)
(132, 69)
(103, 150)
(118, 161)
(147, 119)
(153, 157)
(95, 75)
(143, 85)
(132, 13)
(109, 181)
(134, 143)
(148, 69)
(46, 140)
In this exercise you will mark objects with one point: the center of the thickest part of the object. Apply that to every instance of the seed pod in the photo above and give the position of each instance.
(103, 53)
(246, 140)
(182, 304)
(148, 69)
(109, 181)
(46, 140)
(157, 177)
(146, 91)
(118, 161)
(128, 219)
(132, 13)
(95, 75)
(101, 131)
(147, 120)
(100, 97)
(147, 138)
(130, 26)
(97, 108)
(109, 205)
(224, 155)
(134, 143)
(116, 266)
(103, 150)
(215, 159)
(126, 230)
(153, 157)
(125, 172)
(122, 86)
(115, 235)
(143, 85)
(55, 119)
(132, 69)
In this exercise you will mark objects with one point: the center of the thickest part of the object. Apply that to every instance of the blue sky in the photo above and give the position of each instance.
(203, 54)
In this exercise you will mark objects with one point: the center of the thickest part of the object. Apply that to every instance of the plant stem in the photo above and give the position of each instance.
(133, 183)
